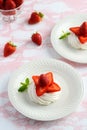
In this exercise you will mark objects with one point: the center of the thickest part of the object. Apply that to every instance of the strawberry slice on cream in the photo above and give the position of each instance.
(78, 36)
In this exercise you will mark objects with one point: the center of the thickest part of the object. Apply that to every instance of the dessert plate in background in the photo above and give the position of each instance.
(61, 46)
(67, 77)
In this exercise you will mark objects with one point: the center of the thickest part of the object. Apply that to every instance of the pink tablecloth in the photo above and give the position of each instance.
(20, 33)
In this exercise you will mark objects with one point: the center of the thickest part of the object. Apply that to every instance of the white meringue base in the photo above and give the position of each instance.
(75, 43)
(45, 99)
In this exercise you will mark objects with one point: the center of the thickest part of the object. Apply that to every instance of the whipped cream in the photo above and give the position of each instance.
(45, 99)
(75, 43)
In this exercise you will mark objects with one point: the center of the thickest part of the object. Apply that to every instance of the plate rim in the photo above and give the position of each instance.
(57, 61)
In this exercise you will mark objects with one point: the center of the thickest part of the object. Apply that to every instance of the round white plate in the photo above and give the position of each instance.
(65, 75)
(61, 46)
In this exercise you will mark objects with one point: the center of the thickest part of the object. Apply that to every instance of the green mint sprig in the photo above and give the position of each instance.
(64, 35)
(24, 85)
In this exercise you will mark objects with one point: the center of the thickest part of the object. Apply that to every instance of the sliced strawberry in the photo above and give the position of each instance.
(36, 79)
(35, 18)
(81, 32)
(75, 30)
(83, 29)
(41, 90)
(53, 87)
(49, 76)
(82, 39)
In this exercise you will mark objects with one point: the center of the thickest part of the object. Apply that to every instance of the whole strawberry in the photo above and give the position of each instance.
(37, 38)
(18, 2)
(35, 17)
(9, 4)
(9, 49)
(1, 4)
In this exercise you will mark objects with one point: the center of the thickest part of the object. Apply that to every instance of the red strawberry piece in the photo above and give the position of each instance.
(49, 76)
(46, 79)
(18, 2)
(9, 49)
(43, 80)
(37, 38)
(36, 79)
(1, 4)
(75, 30)
(40, 90)
(82, 39)
(10, 4)
(44, 84)
(83, 29)
(53, 87)
(35, 18)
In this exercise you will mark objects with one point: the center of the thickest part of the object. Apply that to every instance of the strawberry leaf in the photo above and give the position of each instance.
(22, 88)
(41, 14)
(24, 85)
(64, 35)
(27, 81)
(12, 44)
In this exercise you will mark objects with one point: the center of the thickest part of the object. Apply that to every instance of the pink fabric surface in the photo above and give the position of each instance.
(20, 33)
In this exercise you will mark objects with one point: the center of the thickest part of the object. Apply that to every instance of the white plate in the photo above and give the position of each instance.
(71, 90)
(61, 46)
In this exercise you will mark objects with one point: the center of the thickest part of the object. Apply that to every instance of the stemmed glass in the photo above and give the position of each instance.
(10, 15)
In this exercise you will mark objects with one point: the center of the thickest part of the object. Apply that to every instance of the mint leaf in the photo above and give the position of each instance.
(27, 81)
(22, 88)
(64, 35)
(24, 85)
